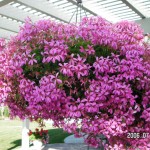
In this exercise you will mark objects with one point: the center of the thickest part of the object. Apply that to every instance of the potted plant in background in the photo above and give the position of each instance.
(39, 137)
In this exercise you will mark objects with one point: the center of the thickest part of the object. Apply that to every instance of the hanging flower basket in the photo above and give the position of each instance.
(95, 76)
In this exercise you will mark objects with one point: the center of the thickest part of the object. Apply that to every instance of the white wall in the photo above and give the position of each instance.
(145, 24)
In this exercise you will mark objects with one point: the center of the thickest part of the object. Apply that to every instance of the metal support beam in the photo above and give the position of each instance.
(6, 34)
(133, 8)
(8, 29)
(86, 9)
(45, 8)
(5, 2)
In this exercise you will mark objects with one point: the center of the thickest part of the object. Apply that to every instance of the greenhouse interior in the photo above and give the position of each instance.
(75, 74)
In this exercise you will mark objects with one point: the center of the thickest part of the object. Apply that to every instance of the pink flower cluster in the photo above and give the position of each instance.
(46, 100)
(91, 79)
(54, 51)
(75, 66)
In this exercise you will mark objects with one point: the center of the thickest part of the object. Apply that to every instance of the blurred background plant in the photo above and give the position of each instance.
(4, 112)
(39, 134)
(147, 47)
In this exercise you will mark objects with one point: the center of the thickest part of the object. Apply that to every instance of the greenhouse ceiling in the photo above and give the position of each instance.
(14, 12)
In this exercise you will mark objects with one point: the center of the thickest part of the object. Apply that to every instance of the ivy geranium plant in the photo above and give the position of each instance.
(95, 76)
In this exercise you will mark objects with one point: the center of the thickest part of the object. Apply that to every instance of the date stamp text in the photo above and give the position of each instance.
(135, 135)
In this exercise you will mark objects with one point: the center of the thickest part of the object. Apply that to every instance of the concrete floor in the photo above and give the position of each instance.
(71, 143)
(68, 146)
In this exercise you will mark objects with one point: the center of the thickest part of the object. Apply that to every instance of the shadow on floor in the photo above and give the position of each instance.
(15, 143)
(56, 136)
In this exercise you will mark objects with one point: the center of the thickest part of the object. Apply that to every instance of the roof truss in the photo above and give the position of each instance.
(14, 12)
(133, 8)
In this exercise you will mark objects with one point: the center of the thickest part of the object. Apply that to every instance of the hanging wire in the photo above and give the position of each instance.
(77, 15)
(72, 16)
(78, 11)
(80, 14)
(84, 10)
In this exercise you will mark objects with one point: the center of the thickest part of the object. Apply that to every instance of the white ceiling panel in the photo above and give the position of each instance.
(6, 34)
(14, 12)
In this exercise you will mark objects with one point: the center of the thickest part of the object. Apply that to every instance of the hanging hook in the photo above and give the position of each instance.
(79, 1)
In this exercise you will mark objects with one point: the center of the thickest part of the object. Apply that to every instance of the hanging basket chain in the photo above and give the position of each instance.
(78, 11)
